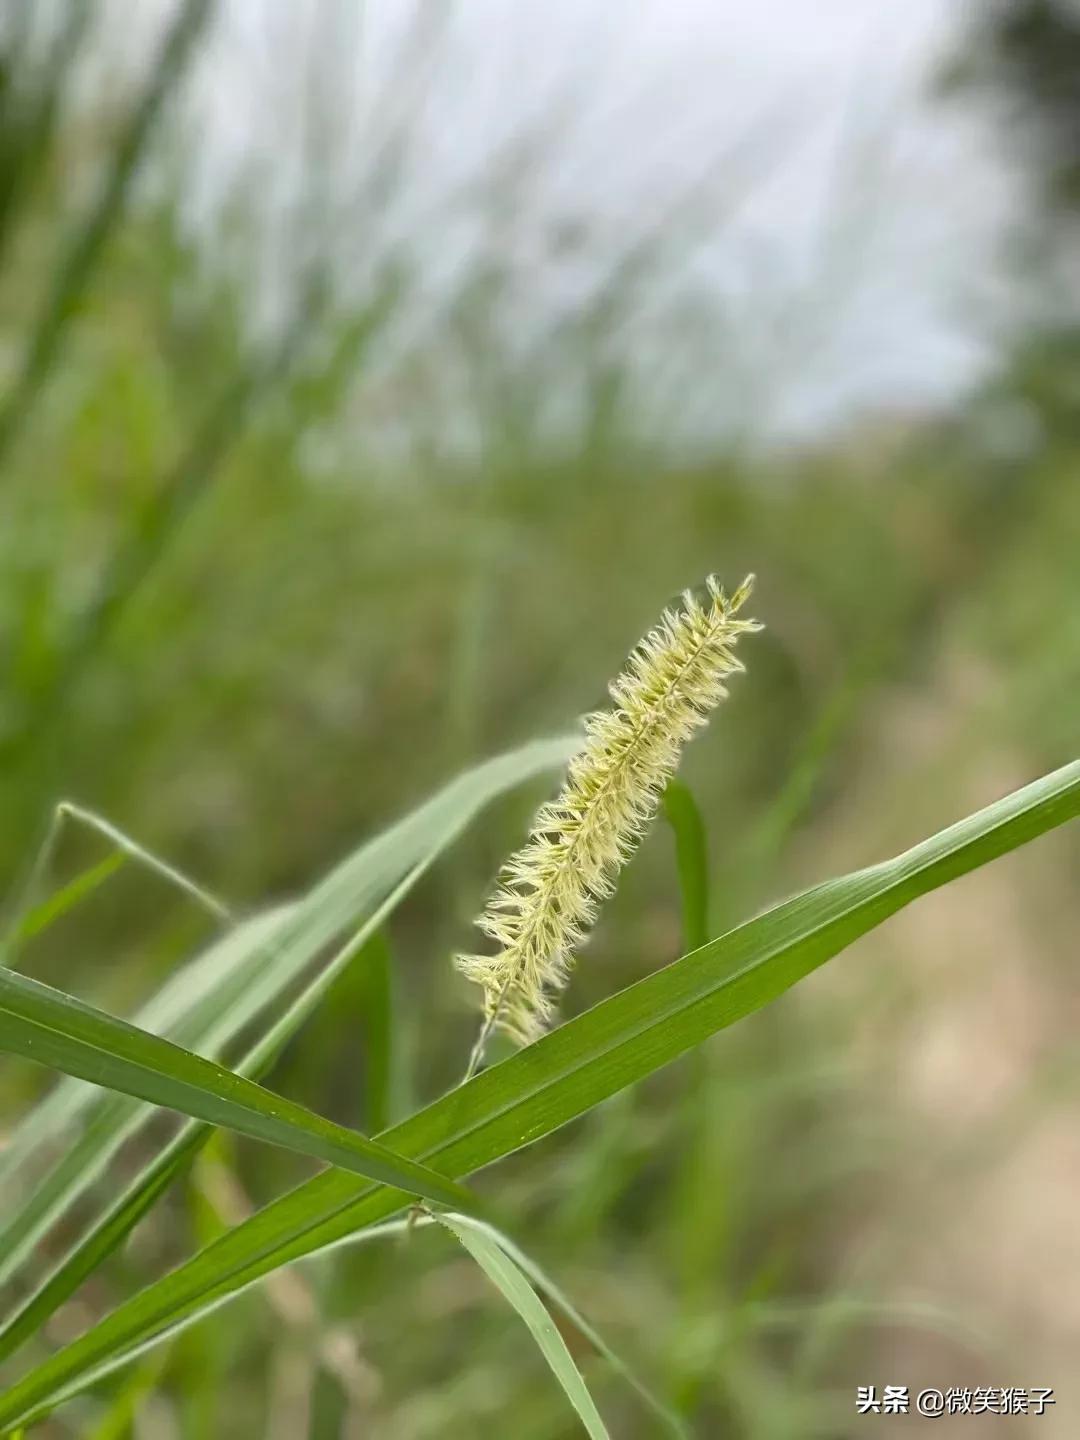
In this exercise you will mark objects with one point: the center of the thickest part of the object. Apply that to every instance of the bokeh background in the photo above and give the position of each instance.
(369, 378)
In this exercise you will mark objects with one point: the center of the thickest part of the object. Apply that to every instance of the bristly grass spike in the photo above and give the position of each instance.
(548, 893)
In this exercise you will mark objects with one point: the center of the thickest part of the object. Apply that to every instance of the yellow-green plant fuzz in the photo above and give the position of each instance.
(548, 893)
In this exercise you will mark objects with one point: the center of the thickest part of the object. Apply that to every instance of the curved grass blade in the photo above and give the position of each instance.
(204, 1004)
(48, 911)
(127, 845)
(212, 998)
(192, 1008)
(538, 1278)
(110, 1231)
(508, 1278)
(107, 1120)
(54, 1029)
(471, 791)
(398, 1229)
(562, 1076)
(541, 1281)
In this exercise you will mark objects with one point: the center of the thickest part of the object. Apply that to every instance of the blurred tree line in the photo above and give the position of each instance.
(1028, 51)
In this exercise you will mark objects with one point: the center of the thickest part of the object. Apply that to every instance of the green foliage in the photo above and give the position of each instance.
(206, 1005)
(263, 585)
(548, 1083)
(505, 1274)
(53, 1029)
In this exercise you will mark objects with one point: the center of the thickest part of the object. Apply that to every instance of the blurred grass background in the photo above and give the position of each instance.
(317, 485)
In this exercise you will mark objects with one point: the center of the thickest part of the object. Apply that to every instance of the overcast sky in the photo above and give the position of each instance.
(862, 252)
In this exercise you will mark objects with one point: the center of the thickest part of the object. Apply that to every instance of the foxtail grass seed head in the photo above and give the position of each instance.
(548, 893)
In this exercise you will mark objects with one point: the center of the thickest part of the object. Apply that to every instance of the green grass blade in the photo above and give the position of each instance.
(373, 1233)
(106, 1236)
(194, 1008)
(692, 861)
(199, 1010)
(503, 1273)
(562, 1076)
(99, 1138)
(48, 911)
(151, 862)
(210, 1000)
(140, 1196)
(51, 1028)
(107, 1120)
(541, 1281)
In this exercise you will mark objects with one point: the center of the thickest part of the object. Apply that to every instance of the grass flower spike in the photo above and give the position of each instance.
(548, 893)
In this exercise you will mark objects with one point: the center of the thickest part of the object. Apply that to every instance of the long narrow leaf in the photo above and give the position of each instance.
(47, 912)
(562, 1076)
(440, 818)
(541, 1281)
(505, 1275)
(52, 1028)
(536, 1275)
(140, 1196)
(191, 1008)
(218, 994)
(210, 1000)
(108, 1119)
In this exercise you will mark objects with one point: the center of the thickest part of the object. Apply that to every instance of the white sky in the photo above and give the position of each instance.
(859, 266)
